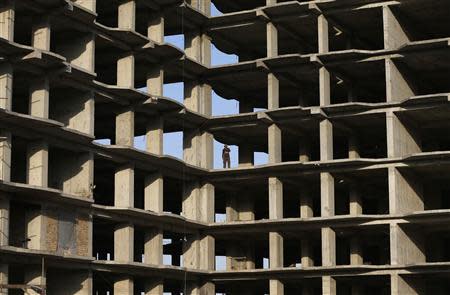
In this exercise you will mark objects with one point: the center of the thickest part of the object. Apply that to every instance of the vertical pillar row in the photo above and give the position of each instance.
(326, 153)
(6, 88)
(198, 197)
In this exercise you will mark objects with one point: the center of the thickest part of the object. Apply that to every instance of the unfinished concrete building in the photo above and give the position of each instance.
(352, 100)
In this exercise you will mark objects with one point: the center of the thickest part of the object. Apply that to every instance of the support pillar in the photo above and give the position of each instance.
(125, 128)
(37, 164)
(356, 255)
(124, 187)
(7, 15)
(41, 32)
(6, 86)
(328, 285)
(394, 35)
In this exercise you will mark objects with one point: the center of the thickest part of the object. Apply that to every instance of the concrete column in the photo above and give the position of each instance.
(246, 155)
(153, 248)
(407, 246)
(36, 225)
(273, 87)
(402, 286)
(355, 200)
(124, 187)
(81, 51)
(353, 147)
(326, 140)
(356, 255)
(33, 276)
(155, 29)
(6, 86)
(154, 287)
(394, 35)
(7, 15)
(397, 86)
(276, 251)
(401, 140)
(41, 32)
(154, 193)
(272, 40)
(3, 277)
(4, 219)
(124, 285)
(127, 15)
(39, 98)
(327, 194)
(304, 150)
(328, 247)
(307, 253)
(405, 192)
(155, 136)
(306, 203)
(328, 285)
(125, 71)
(322, 31)
(125, 128)
(37, 164)
(124, 243)
(274, 143)
(5, 155)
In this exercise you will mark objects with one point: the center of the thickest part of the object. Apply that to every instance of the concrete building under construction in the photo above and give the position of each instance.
(353, 110)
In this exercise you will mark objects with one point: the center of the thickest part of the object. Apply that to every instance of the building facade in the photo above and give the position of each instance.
(348, 98)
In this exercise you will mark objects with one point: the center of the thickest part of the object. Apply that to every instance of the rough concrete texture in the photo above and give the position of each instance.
(353, 110)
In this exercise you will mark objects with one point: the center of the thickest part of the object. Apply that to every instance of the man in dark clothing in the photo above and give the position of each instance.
(226, 156)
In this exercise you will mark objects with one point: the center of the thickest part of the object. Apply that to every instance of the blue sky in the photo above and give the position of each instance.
(173, 142)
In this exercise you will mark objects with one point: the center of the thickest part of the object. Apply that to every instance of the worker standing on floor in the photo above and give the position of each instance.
(226, 156)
